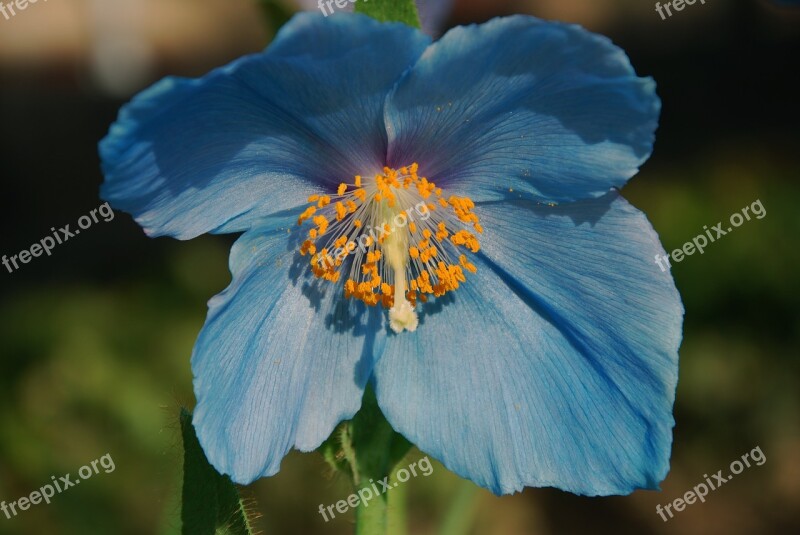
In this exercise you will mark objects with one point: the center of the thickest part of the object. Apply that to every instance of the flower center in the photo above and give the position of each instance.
(390, 241)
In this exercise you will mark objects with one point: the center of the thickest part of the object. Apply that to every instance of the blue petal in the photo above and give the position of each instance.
(281, 359)
(543, 108)
(255, 137)
(555, 364)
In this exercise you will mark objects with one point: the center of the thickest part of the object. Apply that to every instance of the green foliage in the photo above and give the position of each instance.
(211, 502)
(404, 11)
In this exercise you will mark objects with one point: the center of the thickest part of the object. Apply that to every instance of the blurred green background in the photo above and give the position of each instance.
(96, 339)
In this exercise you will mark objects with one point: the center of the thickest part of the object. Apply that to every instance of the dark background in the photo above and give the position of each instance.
(96, 339)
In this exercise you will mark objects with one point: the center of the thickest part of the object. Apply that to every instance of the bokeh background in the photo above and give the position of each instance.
(95, 340)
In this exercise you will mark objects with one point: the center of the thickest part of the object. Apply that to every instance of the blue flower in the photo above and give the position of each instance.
(522, 333)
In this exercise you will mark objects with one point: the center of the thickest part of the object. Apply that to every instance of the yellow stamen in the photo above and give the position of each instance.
(394, 234)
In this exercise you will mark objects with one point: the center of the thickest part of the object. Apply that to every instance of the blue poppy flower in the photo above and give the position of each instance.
(440, 220)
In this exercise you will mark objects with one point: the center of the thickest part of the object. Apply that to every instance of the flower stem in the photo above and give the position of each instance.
(398, 517)
(371, 518)
(368, 449)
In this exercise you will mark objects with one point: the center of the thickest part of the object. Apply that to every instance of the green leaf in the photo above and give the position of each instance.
(404, 11)
(211, 502)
